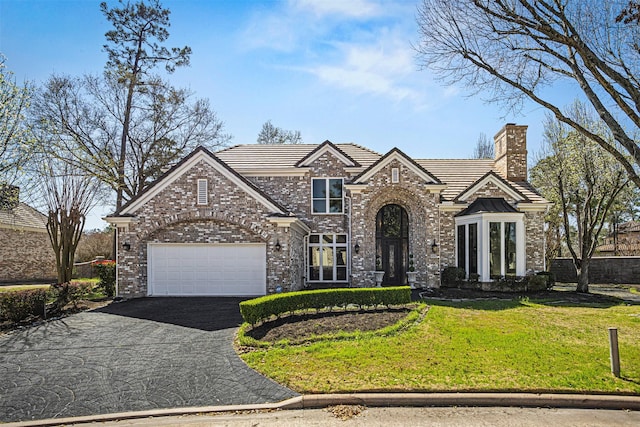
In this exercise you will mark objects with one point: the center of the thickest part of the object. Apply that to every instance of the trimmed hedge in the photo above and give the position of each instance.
(263, 308)
(19, 305)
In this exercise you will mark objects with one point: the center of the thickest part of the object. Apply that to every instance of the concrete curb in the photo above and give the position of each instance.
(315, 401)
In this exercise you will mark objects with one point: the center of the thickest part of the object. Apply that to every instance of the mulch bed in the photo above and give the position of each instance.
(453, 294)
(300, 327)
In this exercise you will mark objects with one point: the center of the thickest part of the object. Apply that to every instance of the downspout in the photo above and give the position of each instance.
(439, 258)
(117, 257)
(349, 255)
(306, 259)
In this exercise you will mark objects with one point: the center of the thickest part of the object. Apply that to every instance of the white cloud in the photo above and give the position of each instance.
(354, 45)
(345, 8)
(379, 69)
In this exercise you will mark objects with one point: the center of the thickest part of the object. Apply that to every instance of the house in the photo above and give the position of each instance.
(258, 219)
(25, 250)
(624, 240)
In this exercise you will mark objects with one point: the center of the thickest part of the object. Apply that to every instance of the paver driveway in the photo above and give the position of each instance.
(135, 355)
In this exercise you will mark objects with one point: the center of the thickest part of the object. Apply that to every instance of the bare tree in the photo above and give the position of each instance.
(15, 138)
(134, 51)
(516, 50)
(484, 148)
(83, 116)
(270, 134)
(582, 181)
(93, 244)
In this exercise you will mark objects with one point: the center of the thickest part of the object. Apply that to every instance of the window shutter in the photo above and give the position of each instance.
(203, 195)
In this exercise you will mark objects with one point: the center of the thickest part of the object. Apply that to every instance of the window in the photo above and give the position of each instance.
(468, 248)
(502, 247)
(462, 247)
(395, 175)
(203, 195)
(327, 195)
(327, 258)
(473, 248)
(491, 245)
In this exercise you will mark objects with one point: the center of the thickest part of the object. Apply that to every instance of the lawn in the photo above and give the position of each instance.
(11, 288)
(505, 345)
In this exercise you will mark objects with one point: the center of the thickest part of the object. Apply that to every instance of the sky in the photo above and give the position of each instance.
(336, 70)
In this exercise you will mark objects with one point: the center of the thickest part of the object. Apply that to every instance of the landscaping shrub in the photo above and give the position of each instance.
(549, 276)
(107, 275)
(78, 291)
(453, 276)
(20, 305)
(517, 283)
(263, 308)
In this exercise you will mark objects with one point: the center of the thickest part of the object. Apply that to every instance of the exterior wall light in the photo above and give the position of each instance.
(434, 247)
(126, 246)
(278, 246)
(356, 248)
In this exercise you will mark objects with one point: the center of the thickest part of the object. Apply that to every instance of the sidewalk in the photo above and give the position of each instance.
(464, 409)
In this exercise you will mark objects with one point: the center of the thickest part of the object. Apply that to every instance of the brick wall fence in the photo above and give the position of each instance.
(620, 269)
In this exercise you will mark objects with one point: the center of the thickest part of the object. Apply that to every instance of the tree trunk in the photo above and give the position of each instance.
(583, 276)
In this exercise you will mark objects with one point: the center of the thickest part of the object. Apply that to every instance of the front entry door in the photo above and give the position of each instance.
(392, 243)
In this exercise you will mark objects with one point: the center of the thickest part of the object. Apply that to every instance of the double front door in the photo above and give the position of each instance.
(392, 243)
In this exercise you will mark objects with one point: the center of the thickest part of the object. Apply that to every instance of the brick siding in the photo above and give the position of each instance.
(26, 256)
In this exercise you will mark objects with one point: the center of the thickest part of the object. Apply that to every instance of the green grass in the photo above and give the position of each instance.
(475, 346)
(12, 288)
(97, 294)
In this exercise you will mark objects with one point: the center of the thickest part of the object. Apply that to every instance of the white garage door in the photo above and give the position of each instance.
(206, 270)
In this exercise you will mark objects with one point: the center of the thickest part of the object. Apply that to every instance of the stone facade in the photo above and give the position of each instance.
(272, 205)
(511, 152)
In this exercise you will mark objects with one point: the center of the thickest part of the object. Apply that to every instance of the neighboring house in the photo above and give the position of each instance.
(623, 241)
(25, 249)
(258, 219)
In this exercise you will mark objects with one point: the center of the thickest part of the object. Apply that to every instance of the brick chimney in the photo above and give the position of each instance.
(9, 196)
(511, 152)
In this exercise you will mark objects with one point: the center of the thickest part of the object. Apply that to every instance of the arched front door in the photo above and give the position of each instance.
(392, 243)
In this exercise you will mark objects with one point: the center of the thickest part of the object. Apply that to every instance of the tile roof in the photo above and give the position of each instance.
(267, 156)
(458, 174)
(22, 216)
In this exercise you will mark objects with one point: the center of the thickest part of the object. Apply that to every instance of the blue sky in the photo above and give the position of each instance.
(332, 69)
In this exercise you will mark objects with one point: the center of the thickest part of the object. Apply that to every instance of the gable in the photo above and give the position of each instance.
(200, 154)
(327, 147)
(490, 179)
(396, 155)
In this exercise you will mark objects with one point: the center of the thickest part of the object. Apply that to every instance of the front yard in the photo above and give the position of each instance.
(506, 345)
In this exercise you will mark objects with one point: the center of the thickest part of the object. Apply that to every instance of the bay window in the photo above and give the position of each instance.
(491, 245)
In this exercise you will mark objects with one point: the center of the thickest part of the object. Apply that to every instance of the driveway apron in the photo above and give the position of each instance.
(142, 354)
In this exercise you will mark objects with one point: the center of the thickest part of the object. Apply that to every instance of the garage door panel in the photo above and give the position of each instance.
(207, 270)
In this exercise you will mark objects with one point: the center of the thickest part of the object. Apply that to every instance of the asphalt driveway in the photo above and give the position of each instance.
(142, 354)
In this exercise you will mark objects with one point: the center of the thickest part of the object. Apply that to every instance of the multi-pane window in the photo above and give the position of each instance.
(468, 248)
(502, 248)
(328, 258)
(490, 245)
(327, 195)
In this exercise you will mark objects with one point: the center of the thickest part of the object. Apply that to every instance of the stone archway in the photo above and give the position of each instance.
(392, 243)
